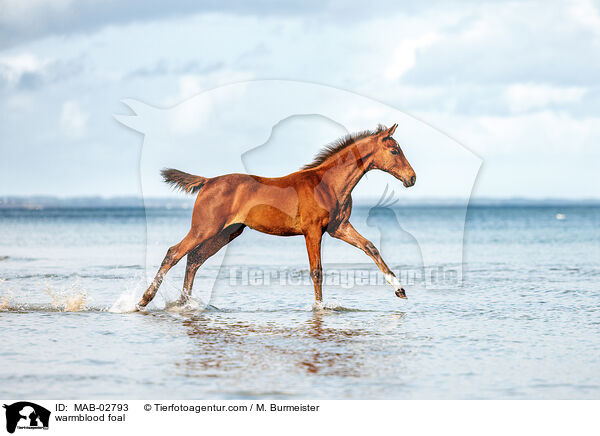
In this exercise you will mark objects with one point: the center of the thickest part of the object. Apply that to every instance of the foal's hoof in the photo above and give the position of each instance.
(183, 300)
(401, 293)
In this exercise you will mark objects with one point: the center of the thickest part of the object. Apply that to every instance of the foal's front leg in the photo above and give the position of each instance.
(313, 246)
(347, 233)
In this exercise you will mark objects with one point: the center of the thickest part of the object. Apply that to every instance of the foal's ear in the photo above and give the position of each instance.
(392, 129)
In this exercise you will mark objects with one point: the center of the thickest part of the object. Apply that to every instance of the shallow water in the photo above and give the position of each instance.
(525, 324)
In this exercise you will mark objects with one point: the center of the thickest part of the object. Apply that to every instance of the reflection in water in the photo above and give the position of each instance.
(225, 345)
(329, 362)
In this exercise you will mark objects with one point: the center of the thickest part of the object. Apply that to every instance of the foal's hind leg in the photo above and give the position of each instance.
(200, 254)
(194, 260)
(174, 255)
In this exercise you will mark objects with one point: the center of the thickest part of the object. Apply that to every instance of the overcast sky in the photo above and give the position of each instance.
(515, 82)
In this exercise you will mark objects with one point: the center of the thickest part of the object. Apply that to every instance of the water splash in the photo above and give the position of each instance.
(73, 300)
(5, 300)
(125, 303)
(191, 304)
(331, 305)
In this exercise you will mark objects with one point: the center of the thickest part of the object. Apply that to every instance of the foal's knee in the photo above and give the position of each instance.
(171, 252)
(316, 275)
(371, 249)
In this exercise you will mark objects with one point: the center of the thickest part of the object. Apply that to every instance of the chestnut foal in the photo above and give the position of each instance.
(309, 202)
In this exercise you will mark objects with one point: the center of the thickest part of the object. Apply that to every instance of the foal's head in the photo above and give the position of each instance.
(388, 157)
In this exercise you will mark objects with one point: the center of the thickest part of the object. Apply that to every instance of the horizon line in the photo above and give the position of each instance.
(49, 201)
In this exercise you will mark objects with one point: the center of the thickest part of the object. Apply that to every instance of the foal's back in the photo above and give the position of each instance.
(273, 205)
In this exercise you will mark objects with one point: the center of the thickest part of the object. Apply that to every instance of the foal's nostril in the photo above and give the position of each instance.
(412, 180)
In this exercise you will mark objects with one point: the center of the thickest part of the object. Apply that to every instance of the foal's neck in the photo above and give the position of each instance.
(342, 171)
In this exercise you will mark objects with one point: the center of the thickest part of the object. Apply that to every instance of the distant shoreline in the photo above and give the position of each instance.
(49, 202)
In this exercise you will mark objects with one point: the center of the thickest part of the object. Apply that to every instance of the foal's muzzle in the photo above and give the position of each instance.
(409, 182)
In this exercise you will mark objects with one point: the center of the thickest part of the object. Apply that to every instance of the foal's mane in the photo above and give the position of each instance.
(341, 143)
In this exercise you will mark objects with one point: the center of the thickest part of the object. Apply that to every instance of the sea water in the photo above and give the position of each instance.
(524, 324)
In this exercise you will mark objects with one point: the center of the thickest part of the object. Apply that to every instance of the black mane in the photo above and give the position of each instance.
(341, 143)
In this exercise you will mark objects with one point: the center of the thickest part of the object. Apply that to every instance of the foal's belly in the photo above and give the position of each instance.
(269, 219)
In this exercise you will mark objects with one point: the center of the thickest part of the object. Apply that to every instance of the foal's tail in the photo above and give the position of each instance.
(184, 181)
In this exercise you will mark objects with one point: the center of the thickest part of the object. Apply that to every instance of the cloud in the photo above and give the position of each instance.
(194, 114)
(525, 97)
(584, 12)
(164, 67)
(510, 79)
(404, 57)
(23, 21)
(26, 71)
(12, 68)
(73, 120)
(513, 42)
(545, 133)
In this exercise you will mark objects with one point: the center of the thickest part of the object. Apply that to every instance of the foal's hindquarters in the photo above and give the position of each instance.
(223, 208)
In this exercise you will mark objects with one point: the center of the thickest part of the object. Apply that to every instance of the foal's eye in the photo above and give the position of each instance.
(394, 151)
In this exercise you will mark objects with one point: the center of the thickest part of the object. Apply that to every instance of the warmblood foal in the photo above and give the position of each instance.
(309, 202)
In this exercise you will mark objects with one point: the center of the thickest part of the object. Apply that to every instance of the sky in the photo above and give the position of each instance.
(516, 83)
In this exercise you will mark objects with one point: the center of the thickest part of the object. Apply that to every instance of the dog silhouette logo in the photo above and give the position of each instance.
(290, 123)
(26, 415)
